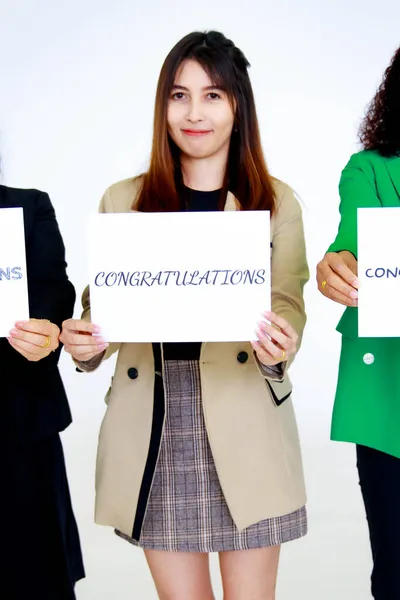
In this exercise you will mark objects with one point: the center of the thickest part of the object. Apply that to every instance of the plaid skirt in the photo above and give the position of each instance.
(186, 510)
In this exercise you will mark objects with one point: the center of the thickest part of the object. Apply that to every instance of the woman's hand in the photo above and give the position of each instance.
(34, 339)
(337, 277)
(276, 340)
(79, 339)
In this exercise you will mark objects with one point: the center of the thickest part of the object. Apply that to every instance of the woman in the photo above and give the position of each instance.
(367, 408)
(167, 474)
(42, 556)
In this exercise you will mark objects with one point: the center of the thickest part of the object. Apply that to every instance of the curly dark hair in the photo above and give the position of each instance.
(380, 129)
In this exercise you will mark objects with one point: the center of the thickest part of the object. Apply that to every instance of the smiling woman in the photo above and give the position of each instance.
(205, 109)
(197, 453)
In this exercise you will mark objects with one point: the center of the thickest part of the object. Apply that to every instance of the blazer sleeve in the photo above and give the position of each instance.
(289, 273)
(357, 190)
(51, 294)
(106, 206)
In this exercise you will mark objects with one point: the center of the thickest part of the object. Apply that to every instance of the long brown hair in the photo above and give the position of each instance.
(246, 175)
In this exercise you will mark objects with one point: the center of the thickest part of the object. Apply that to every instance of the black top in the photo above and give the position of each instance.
(33, 401)
(196, 201)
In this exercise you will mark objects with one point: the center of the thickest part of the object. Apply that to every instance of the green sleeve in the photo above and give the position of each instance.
(356, 190)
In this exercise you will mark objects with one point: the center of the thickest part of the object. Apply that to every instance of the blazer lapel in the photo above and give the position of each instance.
(393, 166)
(230, 203)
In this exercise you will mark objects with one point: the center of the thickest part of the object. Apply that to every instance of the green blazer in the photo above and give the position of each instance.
(367, 402)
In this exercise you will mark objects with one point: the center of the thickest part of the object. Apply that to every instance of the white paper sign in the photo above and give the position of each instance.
(175, 277)
(379, 272)
(13, 281)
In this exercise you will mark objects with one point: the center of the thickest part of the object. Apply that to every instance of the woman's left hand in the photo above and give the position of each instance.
(275, 341)
(34, 339)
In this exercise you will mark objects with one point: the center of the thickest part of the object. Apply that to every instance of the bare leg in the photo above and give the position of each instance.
(180, 575)
(250, 574)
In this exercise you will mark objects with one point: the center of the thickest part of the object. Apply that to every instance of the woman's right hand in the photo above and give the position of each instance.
(80, 341)
(337, 277)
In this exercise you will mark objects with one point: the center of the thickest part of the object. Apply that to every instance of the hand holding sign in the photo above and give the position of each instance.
(34, 339)
(277, 340)
(80, 341)
(337, 277)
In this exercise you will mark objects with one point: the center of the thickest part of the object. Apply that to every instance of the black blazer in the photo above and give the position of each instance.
(33, 403)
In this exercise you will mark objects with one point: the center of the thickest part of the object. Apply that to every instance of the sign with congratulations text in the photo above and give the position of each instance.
(13, 283)
(179, 277)
(379, 272)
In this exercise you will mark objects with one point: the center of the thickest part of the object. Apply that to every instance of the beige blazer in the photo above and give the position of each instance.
(247, 407)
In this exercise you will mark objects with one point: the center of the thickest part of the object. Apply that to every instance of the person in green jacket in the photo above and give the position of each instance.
(367, 403)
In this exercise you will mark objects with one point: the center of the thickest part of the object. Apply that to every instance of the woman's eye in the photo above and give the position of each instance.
(178, 96)
(213, 95)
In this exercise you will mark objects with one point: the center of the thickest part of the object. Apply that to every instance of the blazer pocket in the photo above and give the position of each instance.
(279, 390)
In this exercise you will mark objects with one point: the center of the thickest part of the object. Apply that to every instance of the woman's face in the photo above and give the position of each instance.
(200, 116)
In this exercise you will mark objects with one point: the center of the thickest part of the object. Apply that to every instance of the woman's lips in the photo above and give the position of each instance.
(196, 132)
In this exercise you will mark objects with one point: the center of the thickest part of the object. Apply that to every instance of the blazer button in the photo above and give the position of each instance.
(242, 357)
(133, 373)
(368, 358)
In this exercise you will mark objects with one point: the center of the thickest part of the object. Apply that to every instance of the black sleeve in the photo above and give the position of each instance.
(51, 294)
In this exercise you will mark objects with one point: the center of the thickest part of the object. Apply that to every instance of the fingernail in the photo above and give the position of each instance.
(353, 294)
(20, 323)
(96, 329)
(355, 302)
(103, 346)
(14, 332)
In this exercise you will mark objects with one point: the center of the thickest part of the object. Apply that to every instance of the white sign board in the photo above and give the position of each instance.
(13, 282)
(379, 272)
(179, 277)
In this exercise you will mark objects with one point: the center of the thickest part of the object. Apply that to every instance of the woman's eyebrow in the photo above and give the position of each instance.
(204, 89)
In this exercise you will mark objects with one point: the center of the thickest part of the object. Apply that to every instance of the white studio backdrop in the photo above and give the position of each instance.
(77, 87)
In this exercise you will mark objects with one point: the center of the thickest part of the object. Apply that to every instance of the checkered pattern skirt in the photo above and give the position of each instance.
(186, 510)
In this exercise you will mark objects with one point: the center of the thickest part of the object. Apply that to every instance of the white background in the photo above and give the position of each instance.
(77, 83)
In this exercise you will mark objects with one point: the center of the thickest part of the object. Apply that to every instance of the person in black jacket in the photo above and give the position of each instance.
(41, 555)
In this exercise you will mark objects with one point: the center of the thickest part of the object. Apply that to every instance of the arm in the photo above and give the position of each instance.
(357, 190)
(337, 271)
(51, 294)
(289, 274)
(93, 363)
(74, 331)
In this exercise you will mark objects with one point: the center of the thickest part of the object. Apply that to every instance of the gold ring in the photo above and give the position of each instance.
(47, 342)
(283, 356)
(323, 284)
